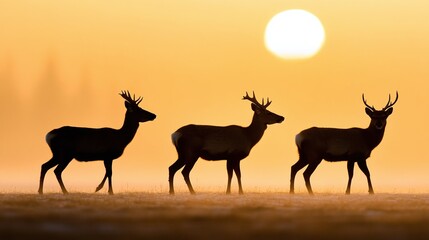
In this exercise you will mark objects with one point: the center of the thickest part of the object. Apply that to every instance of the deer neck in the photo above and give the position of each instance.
(129, 128)
(374, 135)
(256, 130)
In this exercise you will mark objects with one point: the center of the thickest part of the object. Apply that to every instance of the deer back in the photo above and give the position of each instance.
(87, 144)
(213, 142)
(333, 144)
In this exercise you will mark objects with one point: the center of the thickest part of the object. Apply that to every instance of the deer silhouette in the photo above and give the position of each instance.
(231, 143)
(91, 144)
(353, 145)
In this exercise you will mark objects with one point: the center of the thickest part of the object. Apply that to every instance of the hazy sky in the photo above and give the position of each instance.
(64, 63)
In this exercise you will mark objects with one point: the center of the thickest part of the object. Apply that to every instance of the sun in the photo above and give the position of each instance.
(294, 34)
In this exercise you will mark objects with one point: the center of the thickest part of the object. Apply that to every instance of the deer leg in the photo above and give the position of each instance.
(58, 171)
(362, 165)
(185, 172)
(350, 168)
(45, 167)
(293, 170)
(307, 174)
(108, 167)
(101, 185)
(238, 175)
(229, 169)
(172, 170)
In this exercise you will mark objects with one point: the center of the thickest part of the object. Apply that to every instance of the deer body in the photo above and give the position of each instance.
(87, 144)
(92, 144)
(340, 144)
(231, 143)
(220, 143)
(353, 145)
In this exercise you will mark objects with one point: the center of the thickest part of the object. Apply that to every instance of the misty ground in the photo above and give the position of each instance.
(257, 215)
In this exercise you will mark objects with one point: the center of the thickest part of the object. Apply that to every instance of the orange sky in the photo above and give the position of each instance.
(64, 63)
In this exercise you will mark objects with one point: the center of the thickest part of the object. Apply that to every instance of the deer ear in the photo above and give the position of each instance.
(368, 111)
(256, 109)
(389, 111)
(128, 105)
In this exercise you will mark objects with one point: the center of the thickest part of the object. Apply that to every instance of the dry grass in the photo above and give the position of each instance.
(214, 216)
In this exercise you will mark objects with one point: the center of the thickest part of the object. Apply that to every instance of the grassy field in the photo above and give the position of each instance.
(257, 215)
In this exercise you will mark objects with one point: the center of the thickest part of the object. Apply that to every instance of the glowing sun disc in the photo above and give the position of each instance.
(294, 34)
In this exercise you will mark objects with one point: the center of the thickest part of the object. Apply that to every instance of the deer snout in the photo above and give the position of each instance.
(152, 117)
(273, 118)
(379, 125)
(147, 117)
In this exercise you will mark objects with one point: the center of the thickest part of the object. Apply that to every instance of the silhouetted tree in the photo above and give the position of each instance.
(48, 100)
(9, 100)
(81, 104)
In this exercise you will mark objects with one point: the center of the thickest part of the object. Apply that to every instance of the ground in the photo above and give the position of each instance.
(209, 215)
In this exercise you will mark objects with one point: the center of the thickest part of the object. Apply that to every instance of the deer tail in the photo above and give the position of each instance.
(50, 136)
(175, 138)
(298, 140)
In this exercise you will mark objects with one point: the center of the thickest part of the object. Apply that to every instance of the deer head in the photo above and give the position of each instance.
(134, 110)
(379, 117)
(261, 111)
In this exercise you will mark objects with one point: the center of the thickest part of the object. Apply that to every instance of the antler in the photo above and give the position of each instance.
(389, 104)
(366, 104)
(126, 95)
(253, 100)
